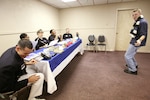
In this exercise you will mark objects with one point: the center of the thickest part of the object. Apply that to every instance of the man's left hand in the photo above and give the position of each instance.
(138, 43)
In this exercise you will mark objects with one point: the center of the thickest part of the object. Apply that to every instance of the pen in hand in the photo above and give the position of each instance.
(31, 62)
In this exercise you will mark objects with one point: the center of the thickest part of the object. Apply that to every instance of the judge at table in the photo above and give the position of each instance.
(13, 75)
(42, 41)
(54, 36)
(67, 35)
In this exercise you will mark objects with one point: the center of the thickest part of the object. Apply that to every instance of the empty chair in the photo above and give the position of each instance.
(91, 43)
(101, 41)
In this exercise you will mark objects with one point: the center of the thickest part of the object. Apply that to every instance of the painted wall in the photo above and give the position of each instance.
(100, 19)
(18, 16)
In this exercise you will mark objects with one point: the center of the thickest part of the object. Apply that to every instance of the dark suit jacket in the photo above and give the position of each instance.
(11, 68)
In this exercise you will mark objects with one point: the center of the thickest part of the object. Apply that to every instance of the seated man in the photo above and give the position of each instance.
(34, 66)
(54, 36)
(41, 41)
(24, 36)
(13, 74)
(67, 35)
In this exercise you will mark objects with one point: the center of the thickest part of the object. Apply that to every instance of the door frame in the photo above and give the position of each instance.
(117, 12)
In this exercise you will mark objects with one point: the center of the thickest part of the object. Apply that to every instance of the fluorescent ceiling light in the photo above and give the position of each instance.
(68, 0)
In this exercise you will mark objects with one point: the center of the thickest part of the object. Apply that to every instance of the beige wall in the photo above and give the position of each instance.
(28, 16)
(100, 19)
(17, 16)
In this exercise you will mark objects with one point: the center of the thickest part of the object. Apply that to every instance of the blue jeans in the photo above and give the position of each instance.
(130, 59)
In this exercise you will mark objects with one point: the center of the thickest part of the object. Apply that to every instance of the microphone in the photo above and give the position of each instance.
(77, 34)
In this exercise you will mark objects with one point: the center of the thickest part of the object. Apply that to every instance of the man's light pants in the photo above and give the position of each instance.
(130, 59)
(37, 87)
(44, 68)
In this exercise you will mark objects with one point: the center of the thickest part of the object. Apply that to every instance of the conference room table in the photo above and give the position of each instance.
(53, 66)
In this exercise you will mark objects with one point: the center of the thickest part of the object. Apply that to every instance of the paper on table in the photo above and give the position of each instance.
(31, 56)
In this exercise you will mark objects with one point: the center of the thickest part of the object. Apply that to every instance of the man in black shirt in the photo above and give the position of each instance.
(41, 41)
(67, 35)
(24, 36)
(12, 68)
(53, 36)
(139, 37)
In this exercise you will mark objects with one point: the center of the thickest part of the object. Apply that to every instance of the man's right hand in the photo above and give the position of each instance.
(31, 62)
(33, 79)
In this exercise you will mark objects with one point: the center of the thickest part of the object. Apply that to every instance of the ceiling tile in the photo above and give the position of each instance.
(60, 4)
(85, 2)
(73, 4)
(100, 2)
(55, 3)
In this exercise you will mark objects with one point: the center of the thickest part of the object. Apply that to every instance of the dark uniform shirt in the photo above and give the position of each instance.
(41, 42)
(52, 37)
(67, 36)
(11, 68)
(141, 29)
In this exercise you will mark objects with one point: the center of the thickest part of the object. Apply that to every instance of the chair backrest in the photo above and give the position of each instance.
(91, 38)
(34, 43)
(101, 38)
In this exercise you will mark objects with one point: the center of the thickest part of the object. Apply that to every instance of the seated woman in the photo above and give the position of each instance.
(53, 36)
(41, 41)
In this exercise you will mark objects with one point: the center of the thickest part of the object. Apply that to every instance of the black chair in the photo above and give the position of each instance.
(91, 43)
(6, 95)
(21, 94)
(101, 41)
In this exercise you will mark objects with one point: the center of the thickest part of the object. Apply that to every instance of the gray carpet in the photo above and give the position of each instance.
(100, 76)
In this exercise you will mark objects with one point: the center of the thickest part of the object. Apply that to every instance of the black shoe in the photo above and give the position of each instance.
(136, 66)
(130, 72)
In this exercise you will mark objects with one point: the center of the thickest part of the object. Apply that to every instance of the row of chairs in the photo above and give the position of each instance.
(95, 43)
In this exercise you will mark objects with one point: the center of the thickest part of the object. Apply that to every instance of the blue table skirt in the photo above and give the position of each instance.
(58, 58)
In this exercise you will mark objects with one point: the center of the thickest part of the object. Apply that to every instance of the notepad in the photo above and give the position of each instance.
(52, 43)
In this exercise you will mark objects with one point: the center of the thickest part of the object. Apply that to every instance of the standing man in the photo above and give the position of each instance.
(139, 37)
(13, 75)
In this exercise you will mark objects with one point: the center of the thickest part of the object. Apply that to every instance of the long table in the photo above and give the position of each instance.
(60, 61)
(52, 67)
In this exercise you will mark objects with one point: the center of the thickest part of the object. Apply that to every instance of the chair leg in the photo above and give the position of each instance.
(2, 96)
(96, 49)
(6, 96)
(105, 48)
(100, 48)
(91, 48)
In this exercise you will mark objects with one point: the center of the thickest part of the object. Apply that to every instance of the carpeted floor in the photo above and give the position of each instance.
(100, 76)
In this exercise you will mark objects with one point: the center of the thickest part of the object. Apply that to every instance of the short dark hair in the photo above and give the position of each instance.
(25, 43)
(23, 35)
(51, 30)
